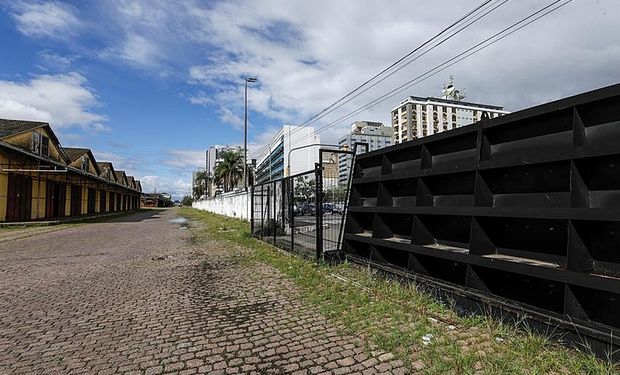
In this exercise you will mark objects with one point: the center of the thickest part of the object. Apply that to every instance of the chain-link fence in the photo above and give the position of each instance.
(304, 213)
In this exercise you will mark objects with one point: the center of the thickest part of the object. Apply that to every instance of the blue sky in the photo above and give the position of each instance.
(149, 85)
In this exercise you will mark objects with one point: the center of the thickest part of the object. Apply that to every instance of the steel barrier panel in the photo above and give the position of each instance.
(520, 212)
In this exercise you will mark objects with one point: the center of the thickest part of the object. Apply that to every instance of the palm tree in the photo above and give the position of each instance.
(201, 184)
(230, 170)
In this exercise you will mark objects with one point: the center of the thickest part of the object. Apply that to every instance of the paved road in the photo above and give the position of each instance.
(134, 296)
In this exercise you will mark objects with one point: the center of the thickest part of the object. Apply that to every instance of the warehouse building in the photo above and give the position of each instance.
(41, 180)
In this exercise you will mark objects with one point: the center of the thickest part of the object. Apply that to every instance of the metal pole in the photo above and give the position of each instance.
(262, 208)
(319, 211)
(275, 212)
(292, 211)
(245, 137)
(252, 210)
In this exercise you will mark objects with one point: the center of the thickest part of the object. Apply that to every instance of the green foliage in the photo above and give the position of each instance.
(305, 188)
(392, 315)
(187, 201)
(201, 183)
(230, 170)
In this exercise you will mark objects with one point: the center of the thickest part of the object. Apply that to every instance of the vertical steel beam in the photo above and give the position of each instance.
(291, 205)
(318, 212)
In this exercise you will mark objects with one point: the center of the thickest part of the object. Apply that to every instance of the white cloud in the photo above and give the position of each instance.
(139, 50)
(178, 187)
(307, 55)
(54, 61)
(184, 159)
(37, 19)
(63, 100)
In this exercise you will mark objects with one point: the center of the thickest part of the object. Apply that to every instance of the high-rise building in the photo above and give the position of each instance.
(417, 117)
(375, 134)
(273, 160)
(214, 156)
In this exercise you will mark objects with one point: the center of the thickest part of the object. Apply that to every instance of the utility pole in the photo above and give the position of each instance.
(245, 133)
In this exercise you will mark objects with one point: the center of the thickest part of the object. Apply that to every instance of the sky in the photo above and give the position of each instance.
(149, 85)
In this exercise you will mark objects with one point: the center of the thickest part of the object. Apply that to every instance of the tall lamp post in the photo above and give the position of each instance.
(245, 133)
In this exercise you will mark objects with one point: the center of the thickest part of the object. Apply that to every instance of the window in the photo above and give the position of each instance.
(45, 146)
(36, 143)
(84, 163)
(40, 144)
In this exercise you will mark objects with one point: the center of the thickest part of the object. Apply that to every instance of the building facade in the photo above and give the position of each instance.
(274, 162)
(375, 134)
(41, 180)
(214, 156)
(417, 117)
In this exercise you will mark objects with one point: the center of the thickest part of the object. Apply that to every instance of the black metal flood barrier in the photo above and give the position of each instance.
(304, 213)
(518, 216)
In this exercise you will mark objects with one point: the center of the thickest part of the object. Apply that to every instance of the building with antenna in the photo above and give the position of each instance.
(375, 134)
(291, 151)
(417, 117)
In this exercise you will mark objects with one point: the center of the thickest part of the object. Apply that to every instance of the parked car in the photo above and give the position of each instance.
(308, 209)
(338, 208)
(328, 208)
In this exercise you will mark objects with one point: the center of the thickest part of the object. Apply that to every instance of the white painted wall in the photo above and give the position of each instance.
(229, 204)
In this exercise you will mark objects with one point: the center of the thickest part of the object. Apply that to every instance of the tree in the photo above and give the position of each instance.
(187, 201)
(305, 188)
(200, 184)
(230, 170)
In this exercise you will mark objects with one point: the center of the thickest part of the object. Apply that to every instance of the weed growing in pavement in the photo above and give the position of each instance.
(394, 316)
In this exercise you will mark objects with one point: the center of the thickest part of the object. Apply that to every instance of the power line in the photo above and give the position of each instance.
(336, 104)
(401, 59)
(553, 6)
(411, 60)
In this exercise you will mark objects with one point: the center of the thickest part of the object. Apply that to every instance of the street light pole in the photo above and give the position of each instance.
(245, 133)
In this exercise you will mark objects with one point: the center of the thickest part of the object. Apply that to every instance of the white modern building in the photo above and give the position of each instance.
(213, 156)
(375, 134)
(273, 161)
(417, 117)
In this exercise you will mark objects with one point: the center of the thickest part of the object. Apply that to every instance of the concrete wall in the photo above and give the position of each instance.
(229, 204)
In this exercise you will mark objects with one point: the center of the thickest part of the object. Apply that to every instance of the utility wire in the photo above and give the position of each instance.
(409, 62)
(552, 7)
(400, 60)
(336, 104)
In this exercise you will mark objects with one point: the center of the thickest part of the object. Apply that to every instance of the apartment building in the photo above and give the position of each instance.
(375, 134)
(273, 161)
(417, 117)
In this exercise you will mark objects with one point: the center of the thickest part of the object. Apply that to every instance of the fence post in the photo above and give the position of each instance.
(262, 210)
(275, 213)
(252, 210)
(268, 200)
(318, 212)
(291, 204)
(283, 198)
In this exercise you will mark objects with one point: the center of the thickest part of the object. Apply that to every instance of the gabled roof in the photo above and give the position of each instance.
(103, 165)
(131, 182)
(74, 153)
(138, 185)
(121, 177)
(12, 127)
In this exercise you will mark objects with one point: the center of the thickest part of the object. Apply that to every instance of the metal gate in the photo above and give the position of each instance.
(304, 213)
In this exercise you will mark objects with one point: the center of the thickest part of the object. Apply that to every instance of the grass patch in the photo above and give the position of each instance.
(396, 317)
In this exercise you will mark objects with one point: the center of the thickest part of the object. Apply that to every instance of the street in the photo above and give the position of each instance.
(132, 295)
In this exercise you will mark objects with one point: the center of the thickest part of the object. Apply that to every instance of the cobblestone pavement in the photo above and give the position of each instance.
(134, 296)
